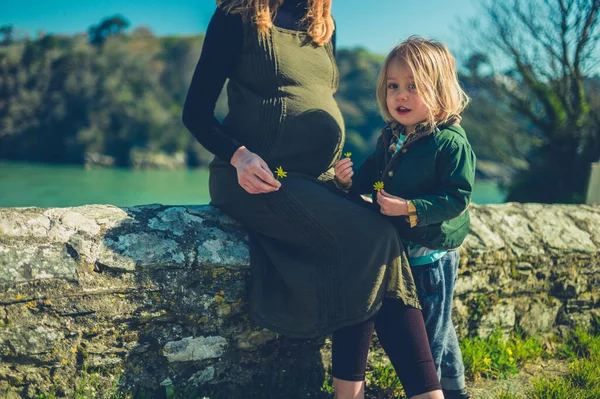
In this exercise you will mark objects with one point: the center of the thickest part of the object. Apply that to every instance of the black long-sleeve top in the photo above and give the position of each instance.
(220, 54)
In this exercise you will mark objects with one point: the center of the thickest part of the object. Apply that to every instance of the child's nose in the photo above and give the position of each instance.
(401, 95)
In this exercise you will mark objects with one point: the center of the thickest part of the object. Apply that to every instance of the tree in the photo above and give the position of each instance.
(7, 33)
(549, 46)
(108, 27)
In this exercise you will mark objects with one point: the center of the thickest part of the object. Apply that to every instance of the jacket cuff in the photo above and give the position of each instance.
(413, 218)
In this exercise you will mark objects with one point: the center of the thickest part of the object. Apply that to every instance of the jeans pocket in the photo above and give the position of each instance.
(432, 278)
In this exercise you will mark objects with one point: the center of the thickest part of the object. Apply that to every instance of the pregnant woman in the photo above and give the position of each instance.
(320, 263)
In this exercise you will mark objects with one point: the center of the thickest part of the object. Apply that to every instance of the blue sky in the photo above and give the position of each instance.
(374, 24)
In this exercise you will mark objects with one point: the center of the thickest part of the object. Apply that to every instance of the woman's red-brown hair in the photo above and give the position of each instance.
(262, 12)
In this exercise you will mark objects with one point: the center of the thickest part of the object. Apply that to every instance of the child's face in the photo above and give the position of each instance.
(402, 100)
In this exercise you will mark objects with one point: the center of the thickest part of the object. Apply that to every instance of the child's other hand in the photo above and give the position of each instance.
(391, 205)
(343, 171)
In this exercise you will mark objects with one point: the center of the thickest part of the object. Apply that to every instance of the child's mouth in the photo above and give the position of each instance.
(402, 110)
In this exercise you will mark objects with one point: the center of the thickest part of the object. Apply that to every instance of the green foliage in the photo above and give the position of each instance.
(68, 99)
(581, 382)
(382, 382)
(480, 305)
(6, 31)
(89, 384)
(108, 27)
(112, 94)
(496, 357)
(327, 386)
(507, 395)
(64, 99)
(550, 85)
(581, 344)
(356, 98)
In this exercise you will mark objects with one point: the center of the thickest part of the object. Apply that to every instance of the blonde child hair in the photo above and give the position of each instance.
(262, 12)
(436, 79)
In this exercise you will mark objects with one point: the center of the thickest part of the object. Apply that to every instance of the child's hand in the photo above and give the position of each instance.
(391, 205)
(343, 171)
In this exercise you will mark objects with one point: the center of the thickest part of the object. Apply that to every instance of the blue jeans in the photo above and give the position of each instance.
(435, 286)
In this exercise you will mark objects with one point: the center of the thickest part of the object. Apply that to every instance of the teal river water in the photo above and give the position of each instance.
(44, 185)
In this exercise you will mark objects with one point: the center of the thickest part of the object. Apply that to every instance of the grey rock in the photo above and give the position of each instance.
(21, 262)
(538, 317)
(145, 250)
(502, 316)
(194, 349)
(202, 377)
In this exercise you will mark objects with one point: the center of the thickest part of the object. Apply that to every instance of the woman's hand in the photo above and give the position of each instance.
(253, 172)
(343, 171)
(391, 205)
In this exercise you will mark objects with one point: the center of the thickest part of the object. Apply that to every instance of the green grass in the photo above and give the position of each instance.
(581, 344)
(382, 382)
(89, 385)
(507, 395)
(496, 357)
(581, 382)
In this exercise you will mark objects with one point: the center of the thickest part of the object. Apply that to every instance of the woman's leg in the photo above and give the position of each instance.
(349, 351)
(401, 332)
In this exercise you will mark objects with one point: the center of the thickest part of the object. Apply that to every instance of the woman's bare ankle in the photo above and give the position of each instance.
(348, 389)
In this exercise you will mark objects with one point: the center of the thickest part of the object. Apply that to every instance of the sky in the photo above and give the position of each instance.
(376, 25)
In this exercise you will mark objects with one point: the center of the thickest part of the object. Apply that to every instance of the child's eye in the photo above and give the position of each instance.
(392, 86)
(412, 86)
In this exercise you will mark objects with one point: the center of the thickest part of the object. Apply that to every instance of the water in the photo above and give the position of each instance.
(49, 185)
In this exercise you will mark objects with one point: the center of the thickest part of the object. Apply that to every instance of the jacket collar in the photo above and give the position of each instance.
(422, 130)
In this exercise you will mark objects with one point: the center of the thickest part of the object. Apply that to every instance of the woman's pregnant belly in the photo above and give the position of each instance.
(308, 142)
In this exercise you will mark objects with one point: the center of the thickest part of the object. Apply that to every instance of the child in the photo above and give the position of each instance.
(421, 176)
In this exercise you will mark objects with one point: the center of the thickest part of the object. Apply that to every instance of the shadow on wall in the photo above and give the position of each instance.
(188, 313)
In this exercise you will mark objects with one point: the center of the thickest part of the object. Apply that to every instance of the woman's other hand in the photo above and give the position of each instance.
(253, 172)
(343, 171)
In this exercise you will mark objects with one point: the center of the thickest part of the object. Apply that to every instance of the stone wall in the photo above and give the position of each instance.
(155, 296)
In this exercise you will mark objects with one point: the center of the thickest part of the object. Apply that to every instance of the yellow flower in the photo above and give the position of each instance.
(487, 361)
(509, 351)
(280, 173)
(378, 186)
(19, 297)
(348, 154)
(510, 359)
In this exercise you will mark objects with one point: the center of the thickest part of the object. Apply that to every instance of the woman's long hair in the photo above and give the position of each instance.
(262, 12)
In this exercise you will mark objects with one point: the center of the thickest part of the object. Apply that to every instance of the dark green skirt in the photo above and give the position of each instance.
(319, 262)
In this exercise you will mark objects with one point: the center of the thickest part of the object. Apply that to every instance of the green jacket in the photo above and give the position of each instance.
(436, 170)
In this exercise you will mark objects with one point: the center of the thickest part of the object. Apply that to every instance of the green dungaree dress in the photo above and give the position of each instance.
(319, 262)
